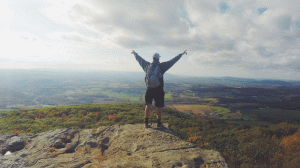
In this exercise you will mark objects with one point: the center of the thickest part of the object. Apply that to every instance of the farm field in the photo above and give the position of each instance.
(211, 100)
(168, 96)
(206, 111)
(271, 115)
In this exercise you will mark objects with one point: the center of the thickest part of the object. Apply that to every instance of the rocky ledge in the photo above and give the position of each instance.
(113, 146)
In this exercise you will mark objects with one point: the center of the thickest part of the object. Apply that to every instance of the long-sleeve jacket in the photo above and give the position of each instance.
(164, 66)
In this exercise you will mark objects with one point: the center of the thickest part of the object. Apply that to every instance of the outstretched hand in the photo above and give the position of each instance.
(184, 52)
(133, 52)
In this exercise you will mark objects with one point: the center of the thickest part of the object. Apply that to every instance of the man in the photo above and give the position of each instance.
(155, 91)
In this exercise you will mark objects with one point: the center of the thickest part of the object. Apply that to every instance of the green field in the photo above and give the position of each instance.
(213, 100)
(271, 115)
(168, 96)
(123, 97)
(4, 110)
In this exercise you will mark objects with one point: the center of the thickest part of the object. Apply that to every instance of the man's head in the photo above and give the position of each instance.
(156, 56)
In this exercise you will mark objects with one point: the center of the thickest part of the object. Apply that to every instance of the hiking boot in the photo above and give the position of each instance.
(160, 126)
(148, 126)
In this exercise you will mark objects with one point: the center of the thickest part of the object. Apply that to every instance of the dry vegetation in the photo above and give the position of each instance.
(204, 111)
(195, 109)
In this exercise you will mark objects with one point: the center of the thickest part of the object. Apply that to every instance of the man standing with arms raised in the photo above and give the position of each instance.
(155, 83)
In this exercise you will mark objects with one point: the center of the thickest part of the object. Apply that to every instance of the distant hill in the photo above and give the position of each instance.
(18, 77)
(21, 89)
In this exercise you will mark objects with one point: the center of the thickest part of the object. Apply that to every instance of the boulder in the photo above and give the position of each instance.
(112, 146)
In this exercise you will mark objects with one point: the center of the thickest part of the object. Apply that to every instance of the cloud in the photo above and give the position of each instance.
(252, 34)
(5, 18)
(132, 23)
(57, 10)
(73, 37)
(24, 47)
(258, 39)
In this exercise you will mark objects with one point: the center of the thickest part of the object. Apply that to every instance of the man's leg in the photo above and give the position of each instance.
(147, 113)
(148, 102)
(147, 110)
(159, 113)
(159, 103)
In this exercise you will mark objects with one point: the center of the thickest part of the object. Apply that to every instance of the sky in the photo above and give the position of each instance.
(237, 38)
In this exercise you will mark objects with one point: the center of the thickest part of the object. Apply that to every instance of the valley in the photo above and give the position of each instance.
(230, 99)
(251, 122)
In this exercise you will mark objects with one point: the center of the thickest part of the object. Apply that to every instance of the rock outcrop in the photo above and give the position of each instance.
(114, 146)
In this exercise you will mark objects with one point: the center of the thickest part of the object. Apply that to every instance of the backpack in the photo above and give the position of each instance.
(153, 76)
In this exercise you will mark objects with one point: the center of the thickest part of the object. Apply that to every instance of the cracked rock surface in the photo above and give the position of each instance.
(113, 146)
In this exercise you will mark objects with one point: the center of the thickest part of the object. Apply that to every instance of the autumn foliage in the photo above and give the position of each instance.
(291, 150)
(63, 116)
(16, 131)
(111, 117)
(291, 143)
(194, 138)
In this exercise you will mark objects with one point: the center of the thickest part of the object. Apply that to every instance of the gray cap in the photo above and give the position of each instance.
(156, 55)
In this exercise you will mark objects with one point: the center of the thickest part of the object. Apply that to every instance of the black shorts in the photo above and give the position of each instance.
(157, 94)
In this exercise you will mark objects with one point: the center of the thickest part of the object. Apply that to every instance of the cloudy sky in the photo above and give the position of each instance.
(238, 38)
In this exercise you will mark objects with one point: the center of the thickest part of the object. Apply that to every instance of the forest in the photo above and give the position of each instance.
(242, 145)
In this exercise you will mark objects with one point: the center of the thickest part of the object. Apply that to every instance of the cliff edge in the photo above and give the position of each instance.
(112, 146)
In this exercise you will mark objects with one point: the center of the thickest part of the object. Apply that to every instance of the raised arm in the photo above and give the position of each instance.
(144, 64)
(167, 65)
